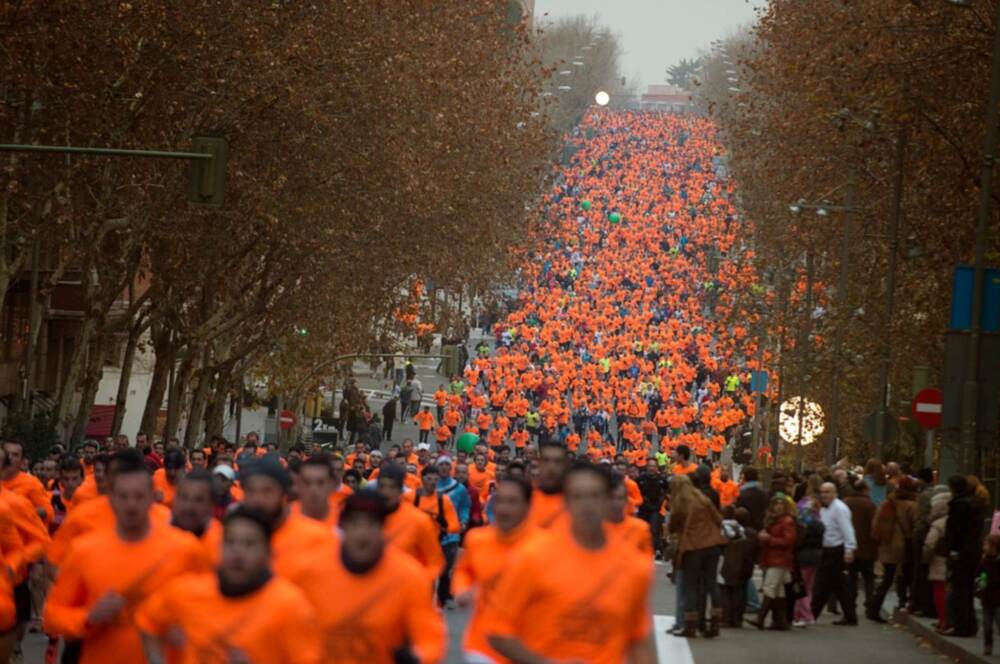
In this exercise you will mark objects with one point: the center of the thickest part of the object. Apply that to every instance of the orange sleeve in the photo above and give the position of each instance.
(641, 618)
(39, 497)
(65, 611)
(301, 634)
(430, 548)
(155, 615)
(513, 593)
(12, 546)
(33, 533)
(424, 625)
(464, 577)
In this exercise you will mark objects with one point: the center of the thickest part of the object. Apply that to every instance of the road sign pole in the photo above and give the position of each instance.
(929, 448)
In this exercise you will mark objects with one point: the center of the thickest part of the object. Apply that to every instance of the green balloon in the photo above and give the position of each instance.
(585, 205)
(467, 442)
(614, 217)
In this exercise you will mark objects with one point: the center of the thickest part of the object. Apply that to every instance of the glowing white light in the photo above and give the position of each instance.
(812, 421)
(602, 98)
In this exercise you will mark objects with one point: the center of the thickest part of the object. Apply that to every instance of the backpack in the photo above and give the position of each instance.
(441, 521)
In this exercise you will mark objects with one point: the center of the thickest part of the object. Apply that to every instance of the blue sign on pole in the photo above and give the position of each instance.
(961, 299)
(758, 381)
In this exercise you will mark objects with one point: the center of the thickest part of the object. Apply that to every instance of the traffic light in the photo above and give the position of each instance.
(449, 363)
(207, 179)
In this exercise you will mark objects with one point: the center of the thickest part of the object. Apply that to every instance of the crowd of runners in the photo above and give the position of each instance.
(541, 486)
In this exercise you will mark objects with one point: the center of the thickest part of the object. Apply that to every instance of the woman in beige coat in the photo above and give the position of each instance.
(893, 530)
(937, 572)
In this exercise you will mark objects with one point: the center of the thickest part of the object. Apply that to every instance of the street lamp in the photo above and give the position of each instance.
(602, 98)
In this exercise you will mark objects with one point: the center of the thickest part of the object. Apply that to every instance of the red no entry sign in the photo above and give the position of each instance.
(286, 420)
(927, 407)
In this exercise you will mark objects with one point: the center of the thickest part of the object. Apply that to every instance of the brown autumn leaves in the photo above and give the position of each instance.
(370, 143)
(824, 89)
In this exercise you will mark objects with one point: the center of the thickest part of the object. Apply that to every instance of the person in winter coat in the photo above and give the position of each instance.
(893, 530)
(935, 554)
(389, 417)
(862, 516)
(988, 589)
(697, 523)
(738, 560)
(810, 549)
(777, 559)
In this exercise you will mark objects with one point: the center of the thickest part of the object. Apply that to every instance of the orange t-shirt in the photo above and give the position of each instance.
(296, 539)
(93, 515)
(272, 624)
(429, 506)
(680, 469)
(163, 487)
(636, 533)
(364, 618)
(546, 509)
(486, 554)
(414, 533)
(424, 419)
(29, 529)
(591, 607)
(480, 480)
(102, 562)
(211, 542)
(31, 488)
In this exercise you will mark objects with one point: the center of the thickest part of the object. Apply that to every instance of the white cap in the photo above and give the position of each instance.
(423, 446)
(225, 471)
(444, 458)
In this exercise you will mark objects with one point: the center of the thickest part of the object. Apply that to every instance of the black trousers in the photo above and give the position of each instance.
(424, 433)
(960, 600)
(991, 616)
(444, 581)
(733, 603)
(831, 579)
(701, 569)
(902, 586)
(387, 429)
(866, 570)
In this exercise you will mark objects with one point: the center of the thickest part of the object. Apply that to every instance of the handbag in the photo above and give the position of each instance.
(797, 588)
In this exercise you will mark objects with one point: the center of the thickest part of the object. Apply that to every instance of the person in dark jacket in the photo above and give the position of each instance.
(389, 417)
(703, 480)
(989, 590)
(738, 560)
(963, 535)
(753, 498)
(862, 515)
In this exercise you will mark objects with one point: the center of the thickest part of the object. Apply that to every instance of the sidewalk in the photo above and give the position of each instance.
(967, 650)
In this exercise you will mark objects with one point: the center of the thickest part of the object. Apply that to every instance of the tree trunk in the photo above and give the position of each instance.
(77, 366)
(175, 400)
(91, 381)
(215, 415)
(199, 400)
(158, 384)
(121, 398)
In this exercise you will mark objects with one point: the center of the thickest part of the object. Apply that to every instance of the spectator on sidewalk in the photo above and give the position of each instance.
(964, 536)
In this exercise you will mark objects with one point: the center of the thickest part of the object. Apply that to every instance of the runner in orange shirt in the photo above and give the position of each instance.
(683, 464)
(408, 528)
(314, 486)
(425, 420)
(547, 506)
(194, 512)
(241, 612)
(486, 555)
(165, 479)
(621, 521)
(593, 606)
(23, 483)
(109, 572)
(372, 601)
(265, 487)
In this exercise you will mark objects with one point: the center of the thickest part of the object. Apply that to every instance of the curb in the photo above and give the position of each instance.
(942, 644)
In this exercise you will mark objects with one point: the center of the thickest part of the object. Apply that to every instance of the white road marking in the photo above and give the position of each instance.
(670, 649)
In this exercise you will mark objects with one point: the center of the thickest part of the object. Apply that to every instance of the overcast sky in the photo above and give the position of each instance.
(657, 33)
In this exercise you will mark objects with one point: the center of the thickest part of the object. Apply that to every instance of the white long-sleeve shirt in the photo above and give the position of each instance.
(838, 527)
